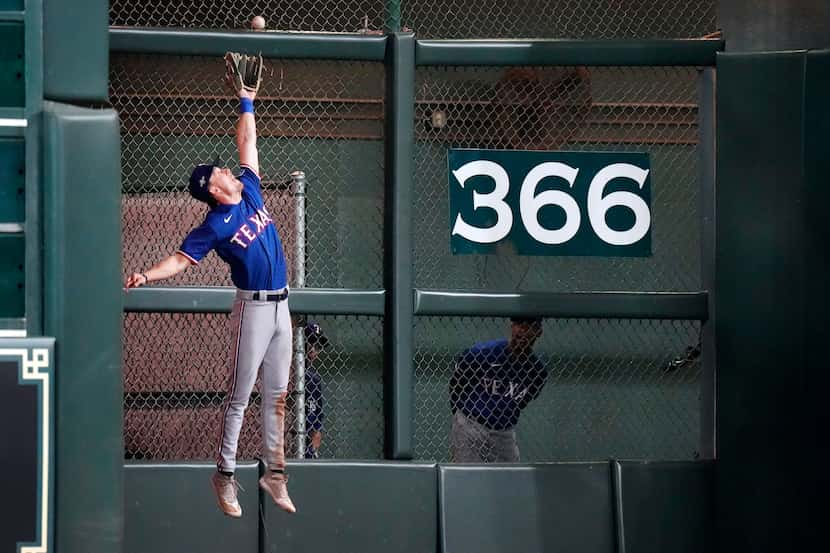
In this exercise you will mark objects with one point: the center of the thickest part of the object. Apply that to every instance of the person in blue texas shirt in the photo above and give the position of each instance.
(242, 232)
(492, 382)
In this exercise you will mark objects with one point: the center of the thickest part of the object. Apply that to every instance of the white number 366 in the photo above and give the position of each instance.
(530, 203)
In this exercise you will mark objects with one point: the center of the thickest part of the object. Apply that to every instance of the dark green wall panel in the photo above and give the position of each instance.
(12, 181)
(76, 50)
(12, 82)
(664, 506)
(82, 310)
(529, 508)
(771, 248)
(171, 508)
(758, 25)
(355, 508)
(817, 329)
(12, 290)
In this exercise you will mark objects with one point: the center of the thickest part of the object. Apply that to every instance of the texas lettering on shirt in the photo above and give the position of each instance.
(246, 235)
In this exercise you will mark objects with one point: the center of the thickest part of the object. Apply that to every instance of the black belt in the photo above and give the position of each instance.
(257, 296)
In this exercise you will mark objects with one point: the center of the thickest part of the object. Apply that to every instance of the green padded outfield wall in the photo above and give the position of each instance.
(82, 310)
(171, 508)
(771, 307)
(12, 211)
(540, 507)
(664, 506)
(355, 507)
(12, 82)
(76, 50)
(366, 507)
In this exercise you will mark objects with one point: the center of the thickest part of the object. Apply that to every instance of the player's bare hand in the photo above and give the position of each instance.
(316, 439)
(135, 280)
(244, 93)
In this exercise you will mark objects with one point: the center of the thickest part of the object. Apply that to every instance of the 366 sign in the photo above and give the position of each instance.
(550, 203)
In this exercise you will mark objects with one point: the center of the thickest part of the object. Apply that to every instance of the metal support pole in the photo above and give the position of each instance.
(398, 278)
(298, 185)
(706, 148)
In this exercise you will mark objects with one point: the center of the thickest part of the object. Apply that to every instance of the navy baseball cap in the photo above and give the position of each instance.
(314, 335)
(199, 180)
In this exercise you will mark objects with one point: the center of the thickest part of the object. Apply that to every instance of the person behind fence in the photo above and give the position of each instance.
(315, 342)
(241, 230)
(491, 384)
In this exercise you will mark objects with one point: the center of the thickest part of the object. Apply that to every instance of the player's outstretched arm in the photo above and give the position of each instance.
(166, 268)
(246, 133)
(243, 75)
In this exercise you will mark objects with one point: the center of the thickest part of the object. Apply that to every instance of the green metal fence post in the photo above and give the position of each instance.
(34, 224)
(398, 347)
(706, 147)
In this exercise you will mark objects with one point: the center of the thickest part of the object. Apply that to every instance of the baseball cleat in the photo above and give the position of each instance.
(274, 484)
(225, 488)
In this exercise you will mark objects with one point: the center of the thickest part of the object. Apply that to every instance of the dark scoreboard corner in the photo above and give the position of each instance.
(26, 406)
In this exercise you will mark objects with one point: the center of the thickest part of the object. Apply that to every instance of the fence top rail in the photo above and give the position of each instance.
(616, 52)
(570, 305)
(310, 301)
(273, 44)
(364, 47)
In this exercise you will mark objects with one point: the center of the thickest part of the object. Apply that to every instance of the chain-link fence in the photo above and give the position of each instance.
(588, 389)
(650, 109)
(560, 18)
(609, 388)
(176, 377)
(324, 118)
(344, 16)
(438, 18)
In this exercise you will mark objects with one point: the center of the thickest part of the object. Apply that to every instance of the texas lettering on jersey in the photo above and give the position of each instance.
(505, 388)
(491, 386)
(246, 235)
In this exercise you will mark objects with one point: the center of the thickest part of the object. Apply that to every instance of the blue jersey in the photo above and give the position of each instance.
(244, 237)
(313, 400)
(313, 408)
(492, 386)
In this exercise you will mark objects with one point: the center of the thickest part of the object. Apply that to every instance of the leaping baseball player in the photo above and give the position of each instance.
(242, 231)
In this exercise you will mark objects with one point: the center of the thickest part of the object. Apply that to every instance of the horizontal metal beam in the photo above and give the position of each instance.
(696, 52)
(312, 301)
(576, 305)
(15, 16)
(286, 45)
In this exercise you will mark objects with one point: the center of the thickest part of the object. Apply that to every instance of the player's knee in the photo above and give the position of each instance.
(239, 404)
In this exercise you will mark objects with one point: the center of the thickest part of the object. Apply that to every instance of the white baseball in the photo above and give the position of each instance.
(258, 23)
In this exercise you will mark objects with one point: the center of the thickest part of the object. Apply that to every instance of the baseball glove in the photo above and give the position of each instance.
(243, 72)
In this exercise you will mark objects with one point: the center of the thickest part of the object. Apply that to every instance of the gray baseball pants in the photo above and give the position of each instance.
(261, 337)
(471, 442)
